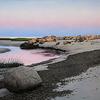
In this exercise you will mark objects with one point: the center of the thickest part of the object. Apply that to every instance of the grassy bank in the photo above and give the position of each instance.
(21, 39)
(16, 39)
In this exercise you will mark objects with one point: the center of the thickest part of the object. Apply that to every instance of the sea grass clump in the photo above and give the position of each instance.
(10, 64)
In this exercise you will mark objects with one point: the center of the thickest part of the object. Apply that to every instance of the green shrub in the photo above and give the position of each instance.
(21, 39)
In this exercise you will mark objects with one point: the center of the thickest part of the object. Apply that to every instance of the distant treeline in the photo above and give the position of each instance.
(16, 39)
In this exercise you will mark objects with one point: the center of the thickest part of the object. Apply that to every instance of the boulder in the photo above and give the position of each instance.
(50, 38)
(21, 78)
(34, 40)
(28, 45)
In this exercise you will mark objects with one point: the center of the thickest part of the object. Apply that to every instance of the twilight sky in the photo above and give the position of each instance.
(45, 17)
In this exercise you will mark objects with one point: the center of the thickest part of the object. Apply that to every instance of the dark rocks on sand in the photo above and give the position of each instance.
(21, 78)
(27, 45)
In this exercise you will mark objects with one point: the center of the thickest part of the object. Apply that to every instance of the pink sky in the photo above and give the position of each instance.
(50, 13)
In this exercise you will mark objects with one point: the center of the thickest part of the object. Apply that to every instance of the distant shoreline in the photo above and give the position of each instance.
(10, 43)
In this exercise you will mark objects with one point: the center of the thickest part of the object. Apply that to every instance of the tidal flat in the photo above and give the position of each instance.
(75, 77)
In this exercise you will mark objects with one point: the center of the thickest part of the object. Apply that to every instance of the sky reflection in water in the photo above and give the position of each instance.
(26, 56)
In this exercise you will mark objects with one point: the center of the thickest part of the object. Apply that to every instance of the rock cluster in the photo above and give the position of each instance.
(73, 39)
(34, 43)
(44, 39)
(82, 38)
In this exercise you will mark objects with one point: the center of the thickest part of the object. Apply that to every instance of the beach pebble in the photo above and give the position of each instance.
(21, 78)
(4, 92)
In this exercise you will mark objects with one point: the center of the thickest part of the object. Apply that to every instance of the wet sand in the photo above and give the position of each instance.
(73, 65)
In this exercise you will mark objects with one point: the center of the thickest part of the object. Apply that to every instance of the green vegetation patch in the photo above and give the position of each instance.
(21, 39)
(16, 39)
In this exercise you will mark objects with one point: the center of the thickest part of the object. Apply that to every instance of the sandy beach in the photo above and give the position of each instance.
(78, 59)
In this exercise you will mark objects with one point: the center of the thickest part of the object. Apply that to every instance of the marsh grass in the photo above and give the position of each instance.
(16, 39)
(21, 39)
(10, 63)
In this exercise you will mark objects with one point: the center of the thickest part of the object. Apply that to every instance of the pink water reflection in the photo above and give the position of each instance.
(26, 57)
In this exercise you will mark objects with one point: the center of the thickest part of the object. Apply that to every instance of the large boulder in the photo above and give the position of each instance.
(21, 78)
(28, 45)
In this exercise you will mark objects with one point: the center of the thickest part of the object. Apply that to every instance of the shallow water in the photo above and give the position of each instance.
(85, 86)
(26, 57)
